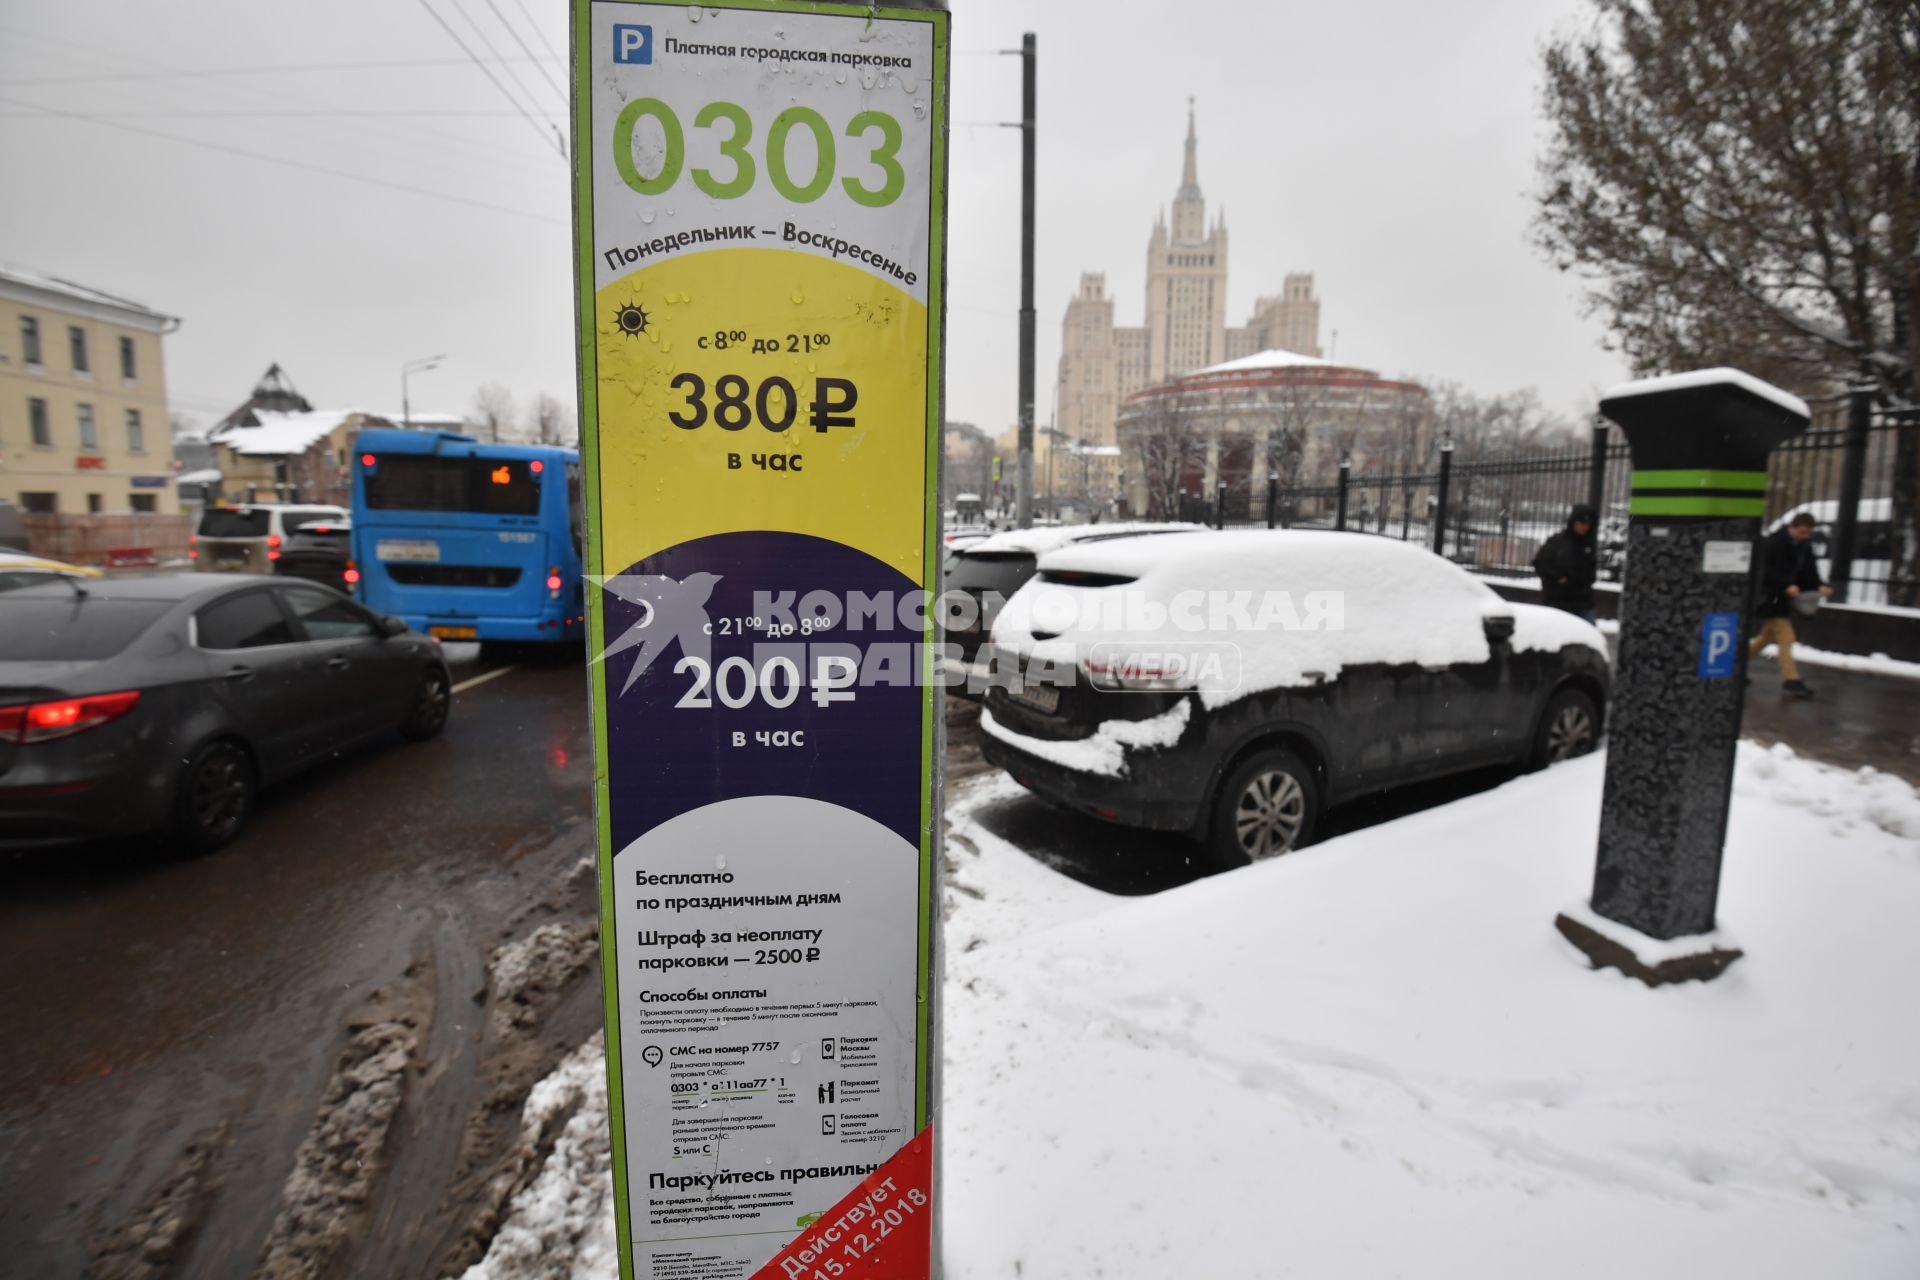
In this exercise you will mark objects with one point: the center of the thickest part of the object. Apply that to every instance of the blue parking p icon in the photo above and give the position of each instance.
(632, 44)
(1719, 632)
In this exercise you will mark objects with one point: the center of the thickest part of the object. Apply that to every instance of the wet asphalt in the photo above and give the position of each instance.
(149, 998)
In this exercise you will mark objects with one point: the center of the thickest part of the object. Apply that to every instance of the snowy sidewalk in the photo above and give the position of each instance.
(1375, 1057)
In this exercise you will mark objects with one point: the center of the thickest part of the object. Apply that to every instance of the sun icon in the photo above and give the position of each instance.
(631, 320)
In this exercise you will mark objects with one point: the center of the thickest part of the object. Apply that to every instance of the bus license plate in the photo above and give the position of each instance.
(407, 549)
(454, 633)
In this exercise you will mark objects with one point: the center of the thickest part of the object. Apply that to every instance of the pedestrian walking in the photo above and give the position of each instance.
(1788, 573)
(1567, 565)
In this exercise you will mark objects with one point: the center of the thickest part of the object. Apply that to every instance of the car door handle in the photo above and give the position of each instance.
(337, 664)
(238, 674)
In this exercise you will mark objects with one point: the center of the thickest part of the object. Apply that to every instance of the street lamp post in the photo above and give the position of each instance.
(406, 371)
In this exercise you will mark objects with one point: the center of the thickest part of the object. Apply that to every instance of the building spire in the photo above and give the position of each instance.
(1190, 175)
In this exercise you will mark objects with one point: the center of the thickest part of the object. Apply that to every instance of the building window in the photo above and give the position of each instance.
(93, 504)
(77, 346)
(128, 370)
(141, 501)
(89, 433)
(43, 504)
(39, 425)
(30, 341)
(136, 434)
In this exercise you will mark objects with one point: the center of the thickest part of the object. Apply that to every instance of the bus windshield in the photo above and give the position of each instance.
(484, 486)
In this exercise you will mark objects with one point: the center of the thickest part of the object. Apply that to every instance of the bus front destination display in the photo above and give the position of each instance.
(759, 213)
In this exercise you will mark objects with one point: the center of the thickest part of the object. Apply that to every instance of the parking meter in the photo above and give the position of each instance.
(1699, 443)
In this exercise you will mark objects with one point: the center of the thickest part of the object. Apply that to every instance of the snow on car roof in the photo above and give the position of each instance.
(1297, 606)
(1708, 378)
(1039, 541)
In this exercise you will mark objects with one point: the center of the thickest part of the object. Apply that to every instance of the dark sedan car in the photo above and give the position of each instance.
(1232, 686)
(319, 551)
(163, 704)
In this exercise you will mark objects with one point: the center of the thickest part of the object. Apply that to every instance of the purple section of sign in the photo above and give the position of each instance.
(701, 623)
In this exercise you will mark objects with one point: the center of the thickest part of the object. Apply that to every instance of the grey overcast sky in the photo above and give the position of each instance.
(1386, 147)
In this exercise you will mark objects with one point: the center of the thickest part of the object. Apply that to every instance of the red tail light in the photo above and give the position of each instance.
(44, 721)
(193, 555)
(352, 575)
(553, 579)
(273, 540)
(536, 466)
(366, 459)
(192, 538)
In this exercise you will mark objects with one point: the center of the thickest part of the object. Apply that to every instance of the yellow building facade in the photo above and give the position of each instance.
(83, 400)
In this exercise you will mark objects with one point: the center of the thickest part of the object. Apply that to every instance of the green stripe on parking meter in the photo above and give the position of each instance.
(1696, 505)
(1746, 481)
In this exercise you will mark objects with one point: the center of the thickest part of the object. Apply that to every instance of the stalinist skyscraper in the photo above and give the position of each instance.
(1186, 316)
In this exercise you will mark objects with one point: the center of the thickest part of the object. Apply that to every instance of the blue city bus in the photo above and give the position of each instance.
(469, 541)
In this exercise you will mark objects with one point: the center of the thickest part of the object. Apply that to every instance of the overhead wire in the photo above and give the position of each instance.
(493, 51)
(254, 92)
(267, 158)
(537, 31)
(251, 114)
(523, 48)
(256, 69)
(455, 36)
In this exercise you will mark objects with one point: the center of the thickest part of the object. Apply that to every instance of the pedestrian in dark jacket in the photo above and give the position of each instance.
(1567, 565)
(1787, 572)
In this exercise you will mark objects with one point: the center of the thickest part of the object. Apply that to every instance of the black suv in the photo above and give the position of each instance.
(1233, 685)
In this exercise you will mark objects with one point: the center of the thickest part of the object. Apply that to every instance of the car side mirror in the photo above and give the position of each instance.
(1499, 626)
(391, 626)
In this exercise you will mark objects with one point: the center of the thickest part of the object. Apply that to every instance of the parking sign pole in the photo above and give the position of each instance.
(760, 258)
(1700, 443)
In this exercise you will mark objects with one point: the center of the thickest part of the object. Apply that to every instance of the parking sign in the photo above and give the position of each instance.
(1719, 632)
(760, 221)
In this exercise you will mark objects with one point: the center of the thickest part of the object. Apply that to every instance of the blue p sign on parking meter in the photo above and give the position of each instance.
(1718, 634)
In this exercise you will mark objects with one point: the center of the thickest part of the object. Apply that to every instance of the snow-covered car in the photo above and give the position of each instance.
(990, 570)
(1233, 685)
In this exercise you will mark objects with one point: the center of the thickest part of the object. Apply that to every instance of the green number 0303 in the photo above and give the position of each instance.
(879, 131)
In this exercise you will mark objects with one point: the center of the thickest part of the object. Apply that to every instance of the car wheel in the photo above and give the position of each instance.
(1266, 807)
(215, 797)
(431, 702)
(1570, 727)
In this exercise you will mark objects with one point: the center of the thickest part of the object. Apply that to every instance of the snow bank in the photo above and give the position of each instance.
(1878, 664)
(1105, 752)
(1849, 801)
(1376, 1058)
(561, 1225)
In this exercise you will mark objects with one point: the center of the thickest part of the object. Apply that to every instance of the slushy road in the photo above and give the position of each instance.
(151, 1000)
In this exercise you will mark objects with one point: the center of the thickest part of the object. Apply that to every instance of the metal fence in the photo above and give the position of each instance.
(1493, 515)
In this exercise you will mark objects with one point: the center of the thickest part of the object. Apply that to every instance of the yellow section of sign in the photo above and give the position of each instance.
(766, 353)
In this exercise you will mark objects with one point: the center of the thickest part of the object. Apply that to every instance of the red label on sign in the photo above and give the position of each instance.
(882, 1230)
(90, 462)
